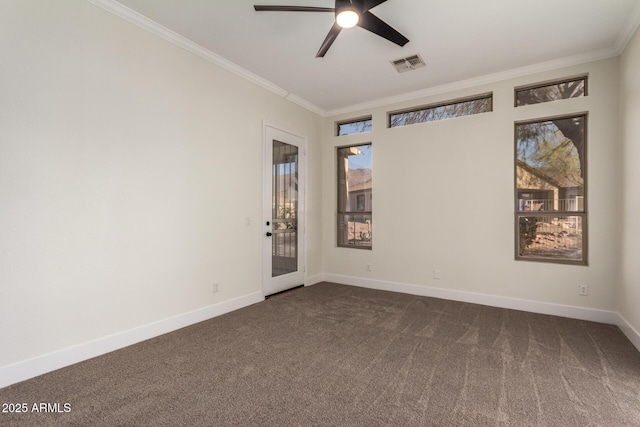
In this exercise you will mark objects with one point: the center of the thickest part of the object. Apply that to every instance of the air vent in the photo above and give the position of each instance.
(409, 63)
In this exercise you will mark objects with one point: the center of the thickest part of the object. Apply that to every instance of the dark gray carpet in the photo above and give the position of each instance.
(346, 356)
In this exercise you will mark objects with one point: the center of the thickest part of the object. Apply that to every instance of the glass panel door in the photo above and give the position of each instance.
(284, 209)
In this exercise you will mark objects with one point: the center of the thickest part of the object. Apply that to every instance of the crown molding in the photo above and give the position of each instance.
(625, 35)
(147, 24)
(628, 30)
(305, 104)
(479, 81)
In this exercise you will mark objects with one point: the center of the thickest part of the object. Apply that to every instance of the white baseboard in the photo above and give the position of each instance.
(629, 331)
(314, 280)
(30, 368)
(39, 365)
(581, 313)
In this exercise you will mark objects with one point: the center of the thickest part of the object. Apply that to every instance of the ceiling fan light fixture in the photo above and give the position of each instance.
(347, 18)
(347, 14)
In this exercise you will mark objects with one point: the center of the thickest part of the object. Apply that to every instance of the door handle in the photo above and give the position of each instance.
(269, 234)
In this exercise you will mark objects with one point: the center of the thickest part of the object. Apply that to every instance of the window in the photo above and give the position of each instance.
(447, 110)
(550, 181)
(354, 196)
(353, 126)
(546, 92)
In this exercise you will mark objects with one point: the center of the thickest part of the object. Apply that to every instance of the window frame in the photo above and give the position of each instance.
(352, 121)
(584, 214)
(340, 213)
(546, 83)
(486, 95)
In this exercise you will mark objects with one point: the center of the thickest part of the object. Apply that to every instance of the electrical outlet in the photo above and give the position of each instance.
(216, 287)
(583, 290)
(437, 274)
(368, 267)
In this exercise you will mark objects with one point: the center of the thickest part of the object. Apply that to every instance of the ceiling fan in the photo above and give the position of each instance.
(349, 13)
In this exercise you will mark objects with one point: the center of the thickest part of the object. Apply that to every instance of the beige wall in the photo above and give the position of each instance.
(629, 297)
(443, 198)
(127, 168)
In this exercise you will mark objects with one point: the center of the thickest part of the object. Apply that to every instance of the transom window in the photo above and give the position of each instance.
(553, 91)
(353, 126)
(446, 110)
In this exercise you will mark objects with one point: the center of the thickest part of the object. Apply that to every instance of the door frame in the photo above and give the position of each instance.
(281, 283)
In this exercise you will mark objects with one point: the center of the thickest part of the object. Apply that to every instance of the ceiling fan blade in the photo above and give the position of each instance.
(260, 8)
(328, 41)
(370, 4)
(370, 22)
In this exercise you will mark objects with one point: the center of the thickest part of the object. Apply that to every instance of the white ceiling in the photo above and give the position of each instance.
(460, 40)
